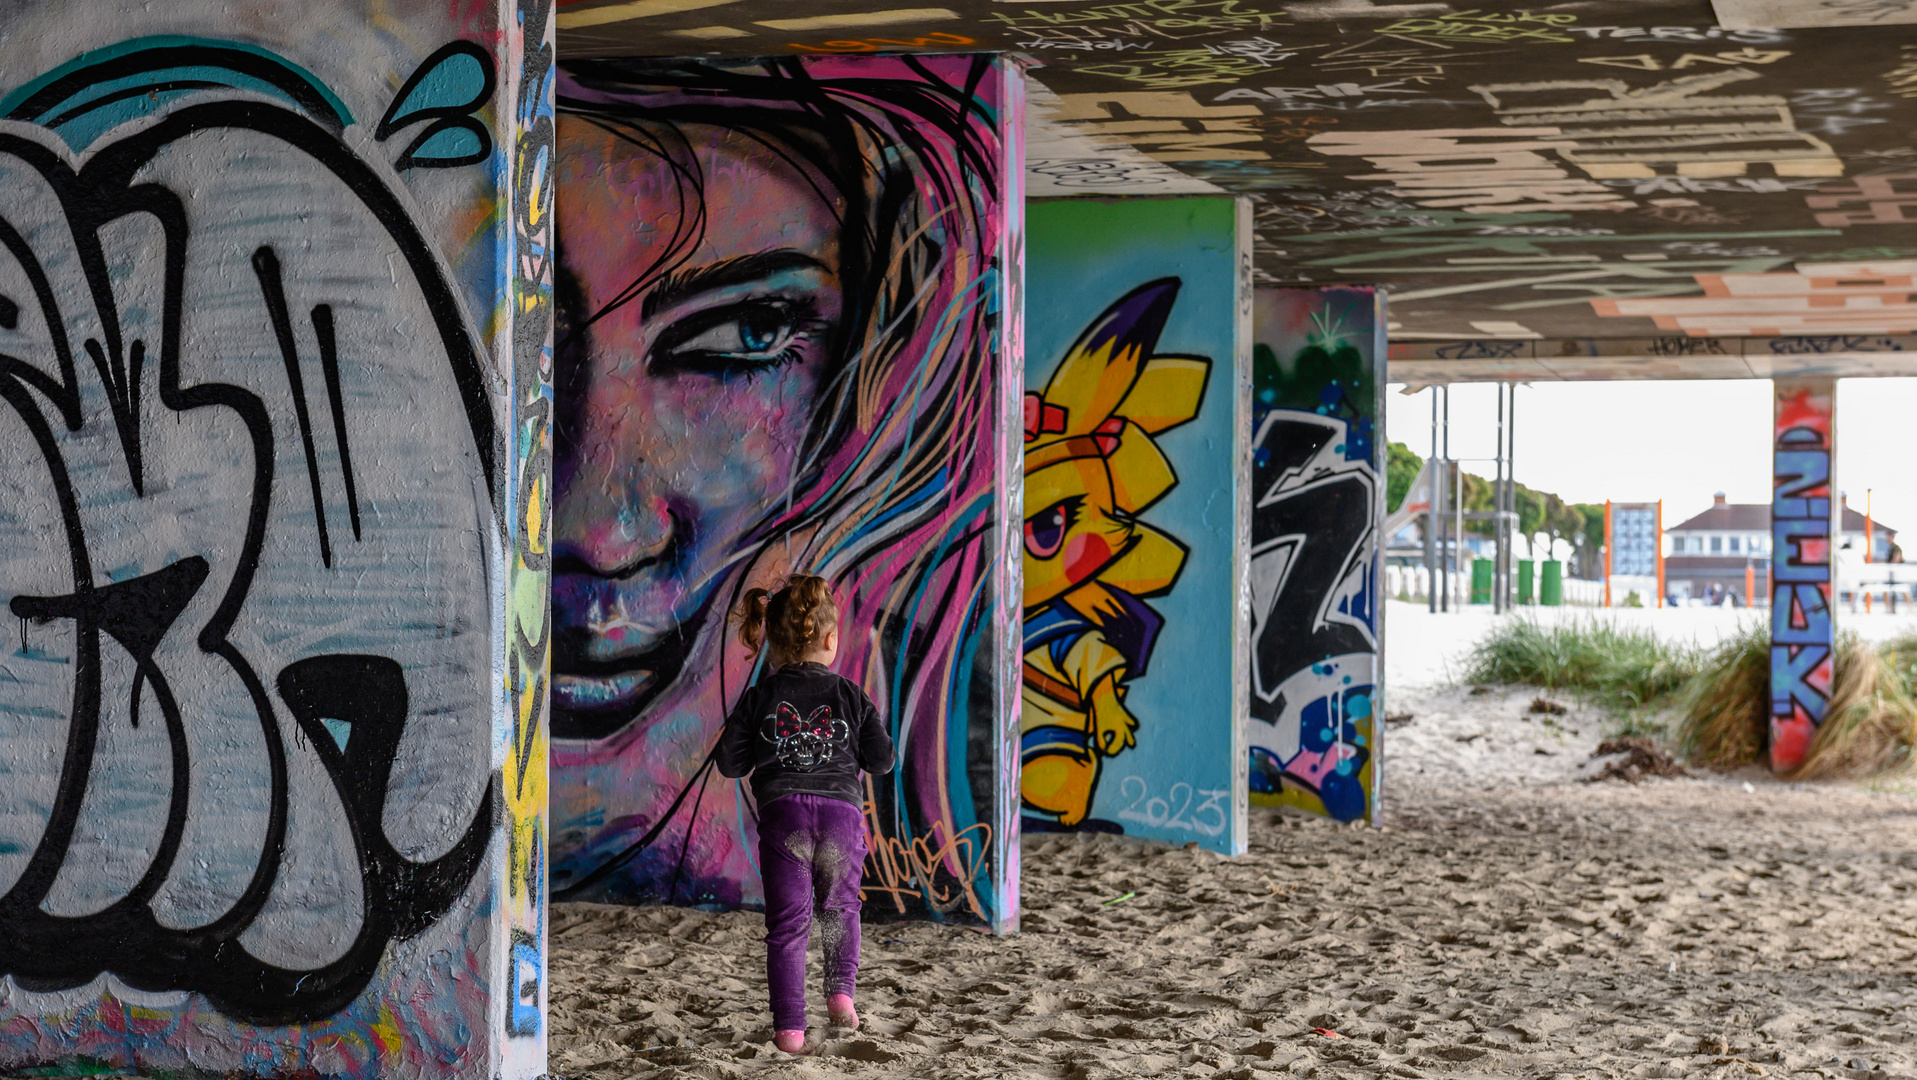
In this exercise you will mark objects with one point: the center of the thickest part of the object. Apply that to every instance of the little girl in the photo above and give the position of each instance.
(805, 734)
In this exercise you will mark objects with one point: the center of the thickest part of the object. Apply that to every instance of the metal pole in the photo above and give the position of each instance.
(1443, 482)
(1607, 551)
(1431, 513)
(1457, 526)
(1503, 553)
(1511, 466)
(1444, 536)
(1497, 511)
(1445, 552)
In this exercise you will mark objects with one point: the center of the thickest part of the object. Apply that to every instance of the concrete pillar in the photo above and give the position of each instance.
(789, 342)
(1803, 544)
(1137, 422)
(274, 398)
(1318, 498)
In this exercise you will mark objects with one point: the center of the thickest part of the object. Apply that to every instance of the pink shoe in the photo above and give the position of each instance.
(789, 1041)
(839, 1008)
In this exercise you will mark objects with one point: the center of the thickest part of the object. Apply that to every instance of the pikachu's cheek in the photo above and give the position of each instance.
(1085, 555)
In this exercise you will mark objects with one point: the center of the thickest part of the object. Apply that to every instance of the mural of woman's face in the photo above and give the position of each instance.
(692, 395)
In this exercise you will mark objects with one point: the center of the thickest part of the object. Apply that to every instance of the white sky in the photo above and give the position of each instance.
(1676, 441)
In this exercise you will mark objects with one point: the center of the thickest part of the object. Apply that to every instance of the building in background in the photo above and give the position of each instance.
(1708, 554)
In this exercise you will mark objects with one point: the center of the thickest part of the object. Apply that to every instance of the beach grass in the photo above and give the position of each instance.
(1720, 696)
(1625, 669)
(1870, 724)
(1726, 708)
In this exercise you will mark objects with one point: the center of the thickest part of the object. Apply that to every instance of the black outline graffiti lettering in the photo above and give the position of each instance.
(329, 369)
(266, 267)
(1321, 523)
(1480, 350)
(1792, 346)
(368, 694)
(1685, 346)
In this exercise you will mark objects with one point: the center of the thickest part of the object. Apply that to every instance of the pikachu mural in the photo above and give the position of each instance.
(1136, 612)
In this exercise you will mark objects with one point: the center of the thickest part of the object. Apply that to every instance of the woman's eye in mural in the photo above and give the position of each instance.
(1045, 531)
(739, 339)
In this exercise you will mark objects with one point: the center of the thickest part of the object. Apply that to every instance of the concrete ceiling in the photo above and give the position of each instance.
(1571, 181)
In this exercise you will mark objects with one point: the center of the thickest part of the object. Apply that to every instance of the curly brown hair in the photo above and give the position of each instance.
(794, 620)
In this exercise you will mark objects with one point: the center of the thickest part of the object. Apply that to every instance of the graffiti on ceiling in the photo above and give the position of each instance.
(1600, 169)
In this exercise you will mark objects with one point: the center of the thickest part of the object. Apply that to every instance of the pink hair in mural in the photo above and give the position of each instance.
(781, 348)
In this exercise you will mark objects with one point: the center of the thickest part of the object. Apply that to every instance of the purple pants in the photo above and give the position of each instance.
(811, 856)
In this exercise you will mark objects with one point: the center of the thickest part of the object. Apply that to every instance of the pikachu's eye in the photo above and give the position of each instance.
(1045, 530)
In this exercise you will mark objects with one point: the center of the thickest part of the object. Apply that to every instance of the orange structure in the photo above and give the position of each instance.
(1658, 539)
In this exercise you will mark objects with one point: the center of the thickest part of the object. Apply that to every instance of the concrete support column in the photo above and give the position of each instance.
(790, 342)
(1138, 406)
(1317, 549)
(1803, 541)
(275, 401)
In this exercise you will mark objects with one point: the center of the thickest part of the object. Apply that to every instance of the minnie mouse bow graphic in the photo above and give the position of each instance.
(804, 743)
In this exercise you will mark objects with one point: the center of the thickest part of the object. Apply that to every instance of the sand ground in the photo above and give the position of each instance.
(1674, 928)
(1510, 919)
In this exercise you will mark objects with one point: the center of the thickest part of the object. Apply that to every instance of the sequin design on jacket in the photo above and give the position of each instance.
(805, 743)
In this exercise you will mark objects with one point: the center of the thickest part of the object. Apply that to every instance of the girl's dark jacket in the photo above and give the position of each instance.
(803, 729)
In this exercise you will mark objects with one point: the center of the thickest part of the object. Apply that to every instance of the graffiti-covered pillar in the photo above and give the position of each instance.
(788, 343)
(1137, 410)
(1803, 545)
(1318, 499)
(274, 401)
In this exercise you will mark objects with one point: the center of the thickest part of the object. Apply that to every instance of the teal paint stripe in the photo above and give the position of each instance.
(165, 41)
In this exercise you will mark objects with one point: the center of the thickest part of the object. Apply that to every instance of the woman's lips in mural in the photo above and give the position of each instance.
(598, 691)
(594, 698)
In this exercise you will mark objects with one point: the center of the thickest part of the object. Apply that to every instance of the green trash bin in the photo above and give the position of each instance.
(1481, 581)
(1527, 577)
(1551, 589)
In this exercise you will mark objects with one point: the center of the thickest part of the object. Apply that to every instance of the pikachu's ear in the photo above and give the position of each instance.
(1100, 367)
(1149, 566)
(1167, 392)
(1141, 473)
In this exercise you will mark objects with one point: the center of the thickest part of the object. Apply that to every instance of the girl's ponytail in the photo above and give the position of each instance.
(752, 617)
(795, 620)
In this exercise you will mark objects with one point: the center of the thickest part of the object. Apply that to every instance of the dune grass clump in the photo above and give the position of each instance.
(1901, 654)
(1625, 669)
(1722, 695)
(1727, 707)
(1869, 728)
(1871, 724)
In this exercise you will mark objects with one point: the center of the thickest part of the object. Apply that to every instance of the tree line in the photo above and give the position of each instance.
(1579, 524)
